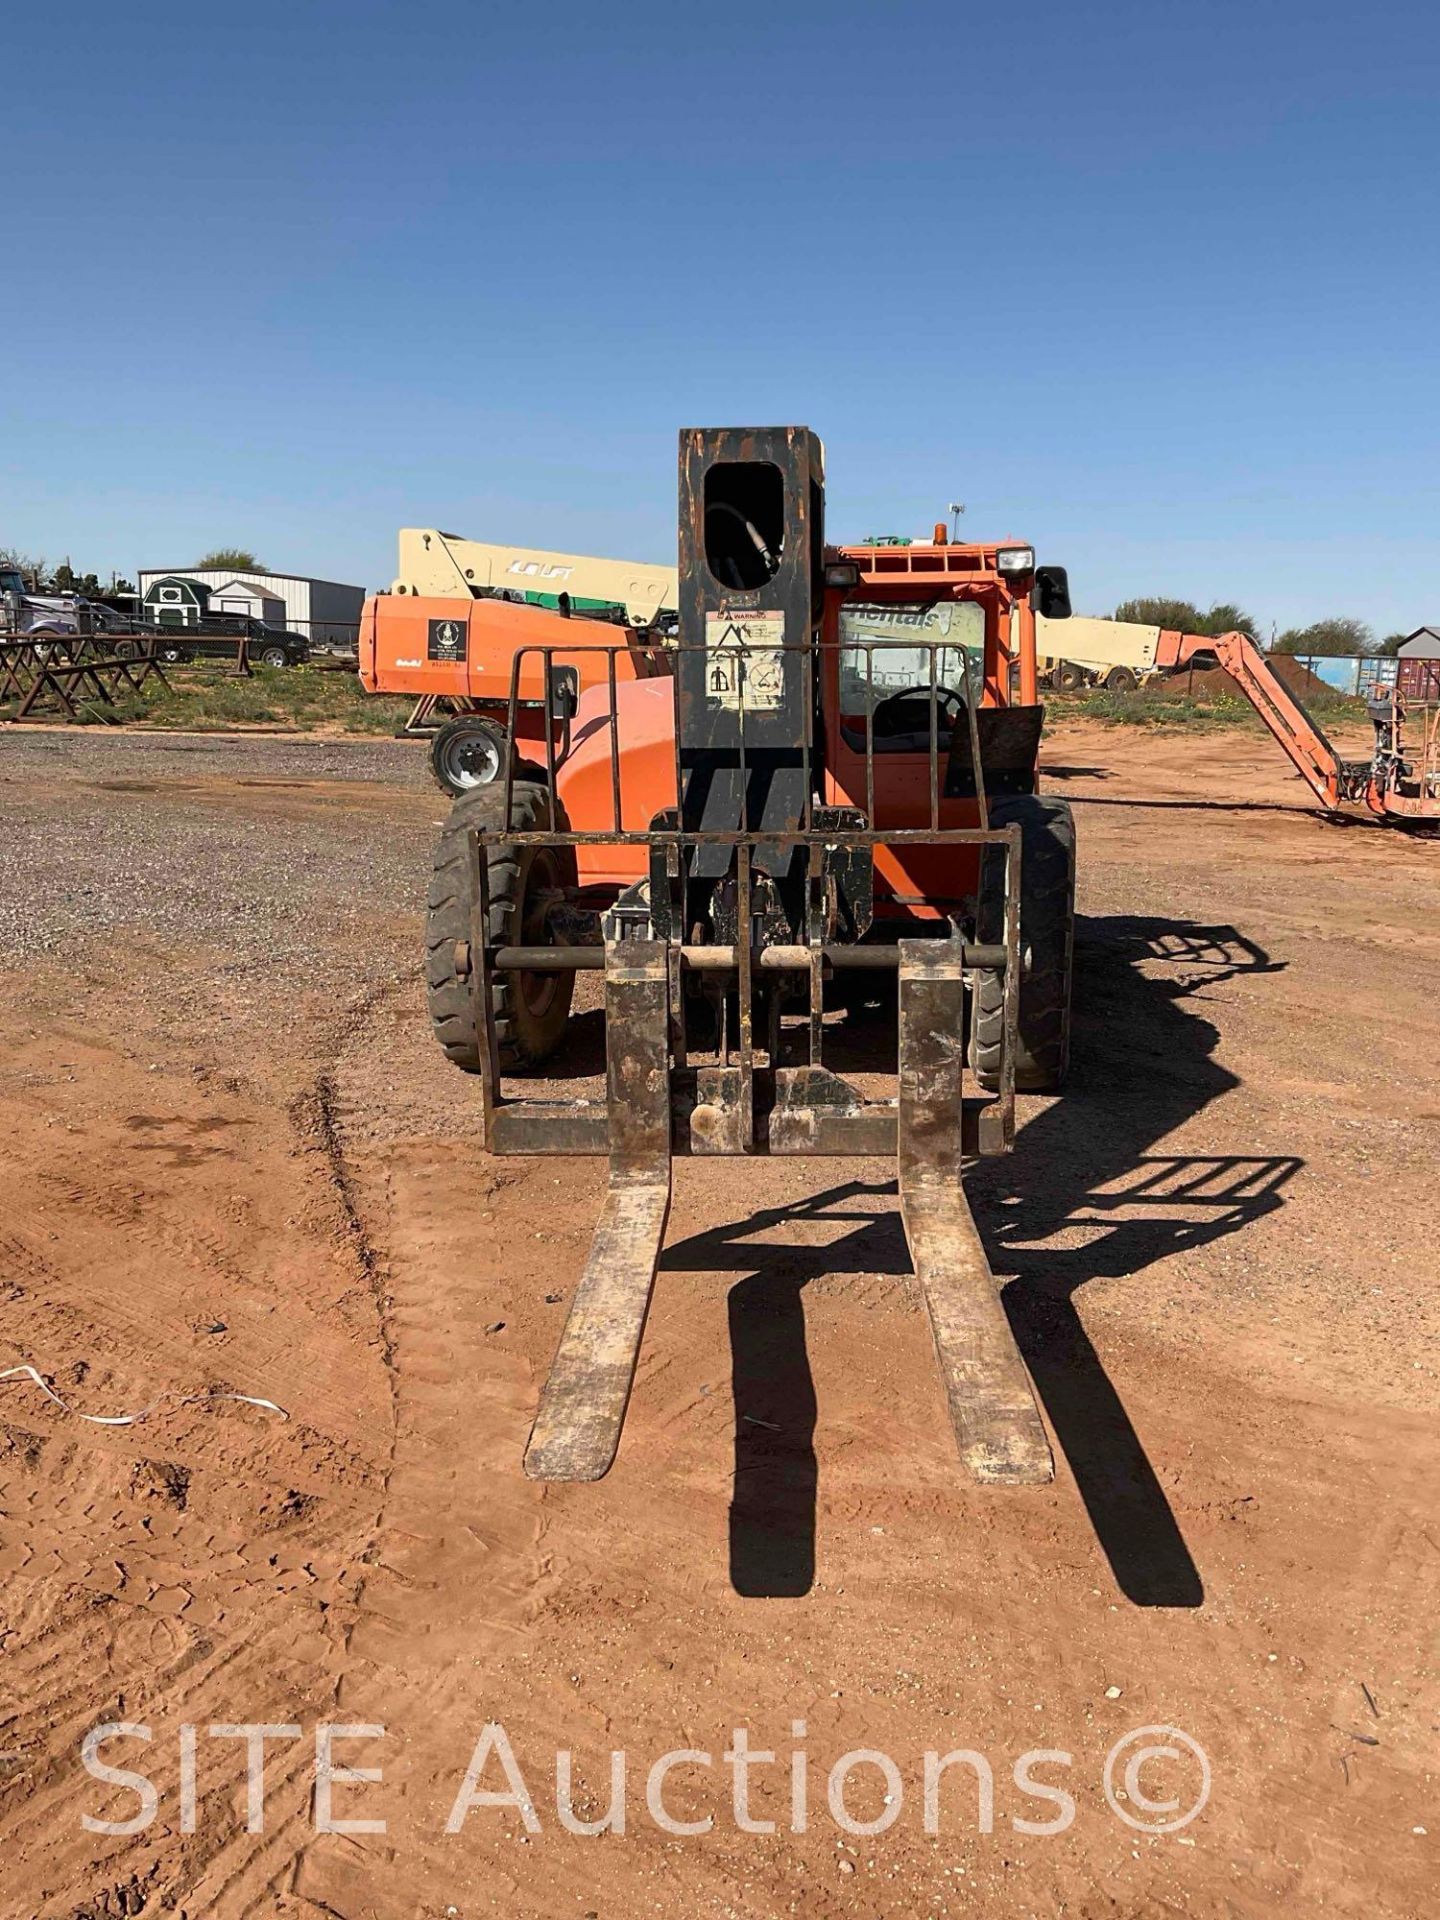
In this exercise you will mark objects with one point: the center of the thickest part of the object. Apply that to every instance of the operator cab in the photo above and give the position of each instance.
(887, 650)
(929, 658)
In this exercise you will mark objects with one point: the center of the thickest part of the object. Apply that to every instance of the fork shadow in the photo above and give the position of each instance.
(772, 1507)
(1143, 1065)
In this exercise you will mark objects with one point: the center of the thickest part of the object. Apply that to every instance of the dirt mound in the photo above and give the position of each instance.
(1211, 681)
(1298, 677)
(1295, 674)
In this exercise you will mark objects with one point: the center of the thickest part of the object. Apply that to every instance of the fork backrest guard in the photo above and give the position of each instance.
(752, 510)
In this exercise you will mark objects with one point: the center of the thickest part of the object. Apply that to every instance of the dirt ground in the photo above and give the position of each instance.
(232, 1160)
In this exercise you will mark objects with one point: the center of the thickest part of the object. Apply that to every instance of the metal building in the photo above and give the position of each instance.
(326, 611)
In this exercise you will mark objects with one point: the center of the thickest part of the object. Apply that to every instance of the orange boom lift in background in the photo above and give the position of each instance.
(1395, 783)
(460, 652)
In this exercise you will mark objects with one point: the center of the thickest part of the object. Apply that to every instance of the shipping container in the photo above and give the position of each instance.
(1419, 681)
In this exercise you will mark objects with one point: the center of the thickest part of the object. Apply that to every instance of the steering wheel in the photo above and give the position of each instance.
(945, 697)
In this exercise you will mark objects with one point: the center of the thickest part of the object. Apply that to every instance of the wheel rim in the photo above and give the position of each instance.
(471, 760)
(272, 657)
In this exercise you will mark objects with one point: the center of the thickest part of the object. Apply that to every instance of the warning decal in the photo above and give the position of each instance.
(447, 640)
(747, 669)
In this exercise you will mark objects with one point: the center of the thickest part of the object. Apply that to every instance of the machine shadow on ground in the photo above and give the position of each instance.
(1306, 810)
(1083, 1172)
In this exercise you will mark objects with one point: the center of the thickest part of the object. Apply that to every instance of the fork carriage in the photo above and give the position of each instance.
(708, 840)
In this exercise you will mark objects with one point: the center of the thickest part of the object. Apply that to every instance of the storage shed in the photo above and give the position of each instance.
(326, 612)
(243, 596)
(174, 599)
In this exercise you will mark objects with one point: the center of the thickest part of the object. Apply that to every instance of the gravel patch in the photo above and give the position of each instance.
(33, 755)
(182, 859)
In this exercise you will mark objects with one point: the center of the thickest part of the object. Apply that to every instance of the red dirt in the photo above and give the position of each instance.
(1218, 1254)
(1296, 675)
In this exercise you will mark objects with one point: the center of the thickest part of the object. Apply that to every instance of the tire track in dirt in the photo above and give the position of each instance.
(471, 1614)
(203, 1565)
(457, 1572)
(633, 1633)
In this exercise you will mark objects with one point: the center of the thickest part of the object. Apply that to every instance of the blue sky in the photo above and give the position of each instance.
(1151, 285)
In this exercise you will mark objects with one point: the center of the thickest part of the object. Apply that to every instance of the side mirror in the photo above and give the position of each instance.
(1050, 595)
(562, 696)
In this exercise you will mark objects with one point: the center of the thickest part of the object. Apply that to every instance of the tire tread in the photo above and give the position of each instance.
(447, 918)
(1047, 932)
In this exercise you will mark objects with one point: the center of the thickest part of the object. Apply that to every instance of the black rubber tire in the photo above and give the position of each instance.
(1047, 935)
(1121, 680)
(127, 650)
(531, 1009)
(468, 753)
(274, 657)
(1068, 678)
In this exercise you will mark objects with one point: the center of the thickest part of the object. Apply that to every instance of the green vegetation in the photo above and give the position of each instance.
(1341, 635)
(204, 698)
(43, 578)
(1338, 638)
(1159, 705)
(237, 559)
(1183, 616)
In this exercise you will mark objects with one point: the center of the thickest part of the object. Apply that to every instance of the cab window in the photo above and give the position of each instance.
(888, 653)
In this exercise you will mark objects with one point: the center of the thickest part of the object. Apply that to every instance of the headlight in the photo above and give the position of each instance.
(1016, 559)
(842, 573)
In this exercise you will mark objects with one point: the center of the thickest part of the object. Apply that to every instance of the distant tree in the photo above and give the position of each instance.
(1179, 614)
(237, 559)
(66, 580)
(1226, 617)
(1341, 635)
(1391, 644)
(31, 565)
(1184, 616)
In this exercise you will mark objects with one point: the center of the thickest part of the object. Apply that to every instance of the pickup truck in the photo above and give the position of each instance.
(218, 639)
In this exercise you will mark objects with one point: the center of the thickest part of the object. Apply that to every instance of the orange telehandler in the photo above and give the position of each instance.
(834, 784)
